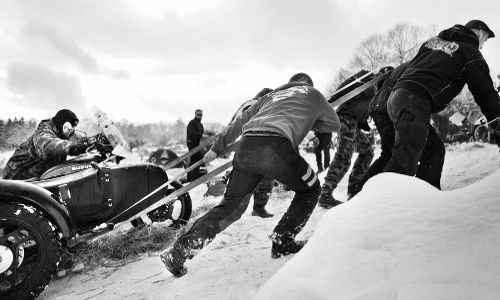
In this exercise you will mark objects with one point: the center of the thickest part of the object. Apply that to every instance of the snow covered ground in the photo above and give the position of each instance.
(237, 263)
(400, 238)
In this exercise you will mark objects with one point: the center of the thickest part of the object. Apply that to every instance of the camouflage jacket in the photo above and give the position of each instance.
(41, 151)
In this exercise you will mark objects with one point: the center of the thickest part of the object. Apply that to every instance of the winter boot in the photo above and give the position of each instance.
(283, 248)
(174, 262)
(326, 199)
(261, 212)
(350, 195)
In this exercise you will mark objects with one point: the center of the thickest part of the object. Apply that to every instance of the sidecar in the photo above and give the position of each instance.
(39, 217)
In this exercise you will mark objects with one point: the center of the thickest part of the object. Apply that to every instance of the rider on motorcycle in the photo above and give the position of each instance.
(46, 147)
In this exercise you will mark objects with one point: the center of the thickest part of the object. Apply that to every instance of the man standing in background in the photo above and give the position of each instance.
(193, 136)
(323, 147)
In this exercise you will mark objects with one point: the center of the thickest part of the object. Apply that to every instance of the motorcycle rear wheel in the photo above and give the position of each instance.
(178, 212)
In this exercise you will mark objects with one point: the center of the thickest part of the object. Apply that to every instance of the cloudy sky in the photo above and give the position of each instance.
(159, 60)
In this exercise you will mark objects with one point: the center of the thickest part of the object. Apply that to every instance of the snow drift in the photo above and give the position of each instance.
(400, 238)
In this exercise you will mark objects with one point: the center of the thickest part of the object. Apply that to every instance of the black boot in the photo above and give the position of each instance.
(261, 212)
(285, 248)
(174, 262)
(326, 199)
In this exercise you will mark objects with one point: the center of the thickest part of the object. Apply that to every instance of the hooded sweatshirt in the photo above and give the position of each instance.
(290, 112)
(379, 101)
(444, 64)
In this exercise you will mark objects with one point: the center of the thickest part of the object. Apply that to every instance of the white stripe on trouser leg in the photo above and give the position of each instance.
(311, 182)
(308, 173)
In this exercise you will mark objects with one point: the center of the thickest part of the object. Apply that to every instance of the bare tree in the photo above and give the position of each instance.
(397, 45)
(463, 103)
(404, 41)
(371, 54)
(341, 76)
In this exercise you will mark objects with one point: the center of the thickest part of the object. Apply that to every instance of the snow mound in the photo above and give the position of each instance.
(400, 238)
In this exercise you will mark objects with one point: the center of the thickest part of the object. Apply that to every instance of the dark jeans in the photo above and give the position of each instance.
(432, 159)
(415, 140)
(387, 134)
(258, 156)
(325, 142)
(195, 173)
(261, 193)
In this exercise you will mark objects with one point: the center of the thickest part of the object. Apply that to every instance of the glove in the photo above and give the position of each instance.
(209, 156)
(385, 70)
(78, 148)
(104, 148)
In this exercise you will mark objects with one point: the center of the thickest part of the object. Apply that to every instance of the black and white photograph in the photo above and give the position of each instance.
(237, 149)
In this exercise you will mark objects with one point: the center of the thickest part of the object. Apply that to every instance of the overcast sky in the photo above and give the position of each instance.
(160, 60)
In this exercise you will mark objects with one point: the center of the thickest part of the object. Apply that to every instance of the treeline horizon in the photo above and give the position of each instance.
(14, 131)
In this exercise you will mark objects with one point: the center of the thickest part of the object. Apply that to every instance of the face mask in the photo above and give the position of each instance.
(68, 129)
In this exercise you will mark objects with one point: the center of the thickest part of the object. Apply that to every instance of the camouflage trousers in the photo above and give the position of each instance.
(350, 139)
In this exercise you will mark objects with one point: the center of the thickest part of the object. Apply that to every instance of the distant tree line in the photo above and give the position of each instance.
(14, 131)
(161, 133)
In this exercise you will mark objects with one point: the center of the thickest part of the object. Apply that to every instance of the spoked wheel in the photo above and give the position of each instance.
(481, 133)
(29, 252)
(178, 211)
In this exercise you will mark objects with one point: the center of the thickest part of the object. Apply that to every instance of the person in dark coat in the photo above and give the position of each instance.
(194, 134)
(433, 154)
(439, 71)
(48, 146)
(263, 189)
(271, 131)
(385, 128)
(322, 150)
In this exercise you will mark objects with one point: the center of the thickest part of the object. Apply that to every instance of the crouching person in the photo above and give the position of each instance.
(271, 131)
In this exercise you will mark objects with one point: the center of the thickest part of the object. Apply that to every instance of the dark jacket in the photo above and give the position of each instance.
(246, 105)
(387, 82)
(290, 111)
(41, 151)
(444, 64)
(357, 107)
(194, 133)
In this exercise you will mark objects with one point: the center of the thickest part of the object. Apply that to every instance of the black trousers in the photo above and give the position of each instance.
(195, 173)
(417, 149)
(258, 157)
(387, 134)
(261, 193)
(323, 147)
